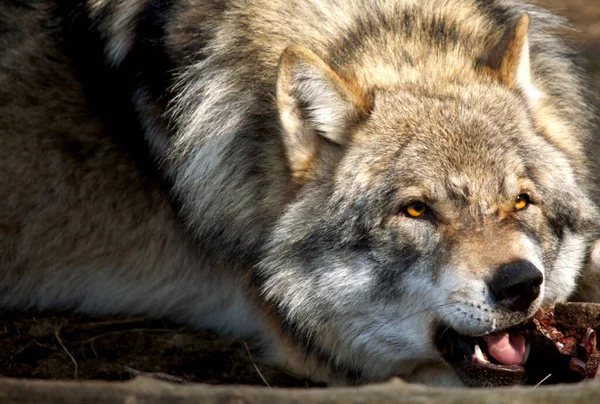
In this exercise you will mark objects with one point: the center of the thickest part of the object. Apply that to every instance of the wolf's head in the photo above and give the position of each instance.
(422, 208)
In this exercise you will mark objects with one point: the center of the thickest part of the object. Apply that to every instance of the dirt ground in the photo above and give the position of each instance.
(58, 347)
(50, 346)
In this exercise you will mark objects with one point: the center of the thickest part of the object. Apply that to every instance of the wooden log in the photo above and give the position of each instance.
(151, 391)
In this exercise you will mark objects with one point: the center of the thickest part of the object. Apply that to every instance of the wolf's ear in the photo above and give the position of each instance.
(317, 107)
(509, 60)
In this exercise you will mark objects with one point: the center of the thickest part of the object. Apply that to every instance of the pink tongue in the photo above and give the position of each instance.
(506, 349)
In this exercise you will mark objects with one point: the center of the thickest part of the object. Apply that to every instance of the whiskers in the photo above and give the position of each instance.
(550, 258)
(398, 321)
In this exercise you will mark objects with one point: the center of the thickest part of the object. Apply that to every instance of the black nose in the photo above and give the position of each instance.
(517, 285)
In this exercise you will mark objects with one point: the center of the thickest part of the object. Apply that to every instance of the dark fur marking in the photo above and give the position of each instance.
(85, 49)
(148, 61)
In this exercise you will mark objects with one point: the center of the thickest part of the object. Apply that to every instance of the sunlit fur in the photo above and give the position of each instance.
(246, 166)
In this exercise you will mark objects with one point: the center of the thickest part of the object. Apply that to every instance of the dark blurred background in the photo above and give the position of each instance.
(585, 33)
(585, 16)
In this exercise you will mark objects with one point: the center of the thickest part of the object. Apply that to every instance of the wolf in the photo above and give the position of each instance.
(348, 183)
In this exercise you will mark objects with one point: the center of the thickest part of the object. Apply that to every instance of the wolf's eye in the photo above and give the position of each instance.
(522, 202)
(416, 209)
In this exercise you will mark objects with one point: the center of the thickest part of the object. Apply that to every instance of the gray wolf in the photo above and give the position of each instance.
(346, 182)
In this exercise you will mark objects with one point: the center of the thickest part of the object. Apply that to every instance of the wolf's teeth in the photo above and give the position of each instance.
(479, 354)
(527, 350)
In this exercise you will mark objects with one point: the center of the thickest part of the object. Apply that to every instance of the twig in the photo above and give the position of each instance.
(9, 361)
(542, 381)
(106, 334)
(256, 367)
(93, 349)
(57, 335)
(97, 324)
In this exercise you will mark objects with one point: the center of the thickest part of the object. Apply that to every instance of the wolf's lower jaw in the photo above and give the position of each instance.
(500, 356)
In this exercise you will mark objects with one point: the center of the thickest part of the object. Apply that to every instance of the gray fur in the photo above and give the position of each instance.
(251, 175)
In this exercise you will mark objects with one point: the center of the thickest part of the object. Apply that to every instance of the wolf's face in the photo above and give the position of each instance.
(446, 212)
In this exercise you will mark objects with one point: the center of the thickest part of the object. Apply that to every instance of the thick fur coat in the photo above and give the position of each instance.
(340, 180)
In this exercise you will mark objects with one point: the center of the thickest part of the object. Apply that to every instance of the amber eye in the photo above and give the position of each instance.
(416, 209)
(522, 202)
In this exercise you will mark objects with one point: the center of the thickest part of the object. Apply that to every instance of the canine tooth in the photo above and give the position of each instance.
(527, 350)
(479, 354)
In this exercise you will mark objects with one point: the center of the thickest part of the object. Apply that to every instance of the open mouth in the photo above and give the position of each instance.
(496, 359)
(530, 353)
